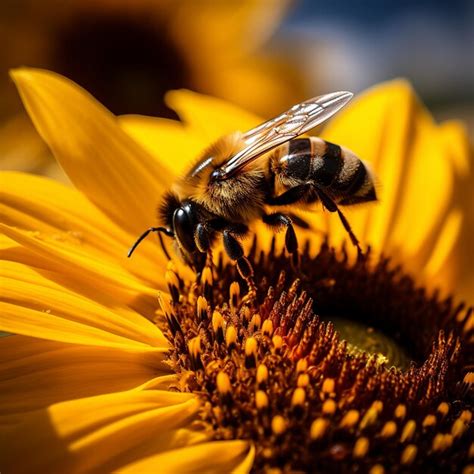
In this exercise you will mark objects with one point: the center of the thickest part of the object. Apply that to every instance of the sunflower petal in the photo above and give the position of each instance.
(170, 141)
(35, 373)
(81, 265)
(36, 306)
(214, 457)
(210, 117)
(102, 161)
(53, 208)
(82, 435)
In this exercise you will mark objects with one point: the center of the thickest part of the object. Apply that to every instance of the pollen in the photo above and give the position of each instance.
(270, 367)
(318, 428)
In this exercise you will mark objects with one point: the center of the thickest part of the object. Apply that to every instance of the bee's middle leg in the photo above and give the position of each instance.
(235, 251)
(278, 220)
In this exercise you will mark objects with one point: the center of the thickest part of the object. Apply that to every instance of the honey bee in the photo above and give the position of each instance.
(242, 176)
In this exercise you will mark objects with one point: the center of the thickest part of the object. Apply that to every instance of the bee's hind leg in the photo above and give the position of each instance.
(278, 220)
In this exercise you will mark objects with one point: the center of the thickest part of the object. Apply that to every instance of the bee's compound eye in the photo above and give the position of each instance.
(217, 175)
(183, 228)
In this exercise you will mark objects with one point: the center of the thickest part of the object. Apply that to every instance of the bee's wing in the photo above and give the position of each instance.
(292, 123)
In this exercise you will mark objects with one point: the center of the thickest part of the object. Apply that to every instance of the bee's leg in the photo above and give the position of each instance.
(235, 252)
(293, 195)
(298, 221)
(331, 206)
(202, 238)
(278, 220)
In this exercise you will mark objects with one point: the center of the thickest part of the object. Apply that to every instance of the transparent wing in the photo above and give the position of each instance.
(290, 124)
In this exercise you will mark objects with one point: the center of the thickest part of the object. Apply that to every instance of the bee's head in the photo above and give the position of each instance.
(181, 217)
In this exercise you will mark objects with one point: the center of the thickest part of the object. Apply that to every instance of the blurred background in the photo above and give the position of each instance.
(264, 55)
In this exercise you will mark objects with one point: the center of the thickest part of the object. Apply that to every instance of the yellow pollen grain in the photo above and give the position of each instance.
(389, 429)
(377, 469)
(201, 304)
(458, 428)
(279, 425)
(261, 400)
(328, 386)
(369, 418)
(469, 378)
(171, 278)
(377, 405)
(443, 408)
(318, 428)
(234, 292)
(430, 420)
(408, 431)
(194, 346)
(298, 398)
(262, 374)
(301, 366)
(223, 383)
(466, 415)
(217, 321)
(329, 407)
(255, 322)
(400, 411)
(230, 335)
(206, 276)
(247, 313)
(361, 447)
(251, 346)
(303, 380)
(409, 454)
(267, 327)
(171, 266)
(350, 419)
(442, 442)
(277, 342)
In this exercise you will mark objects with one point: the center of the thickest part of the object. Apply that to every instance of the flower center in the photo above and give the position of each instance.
(273, 371)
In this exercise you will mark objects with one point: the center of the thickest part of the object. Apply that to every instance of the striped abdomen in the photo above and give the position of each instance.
(332, 168)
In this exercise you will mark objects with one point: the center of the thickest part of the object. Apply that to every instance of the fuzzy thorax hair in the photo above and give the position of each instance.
(239, 197)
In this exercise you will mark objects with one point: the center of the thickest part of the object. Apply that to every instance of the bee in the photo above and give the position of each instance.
(259, 174)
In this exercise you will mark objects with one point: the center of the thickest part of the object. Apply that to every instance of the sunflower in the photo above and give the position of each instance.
(100, 377)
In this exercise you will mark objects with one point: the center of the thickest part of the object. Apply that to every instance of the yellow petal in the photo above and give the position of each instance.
(82, 435)
(36, 306)
(174, 144)
(88, 268)
(160, 442)
(62, 212)
(437, 264)
(36, 373)
(101, 160)
(460, 262)
(214, 457)
(210, 117)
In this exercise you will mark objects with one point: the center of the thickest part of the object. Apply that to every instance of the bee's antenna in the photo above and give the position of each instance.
(159, 231)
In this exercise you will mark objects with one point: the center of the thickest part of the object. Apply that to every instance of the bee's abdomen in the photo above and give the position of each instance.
(330, 167)
(346, 177)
